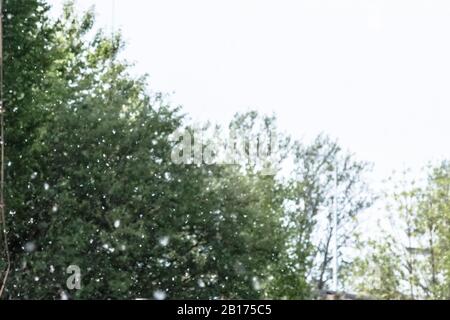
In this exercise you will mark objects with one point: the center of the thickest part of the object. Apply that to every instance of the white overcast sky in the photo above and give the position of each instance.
(374, 74)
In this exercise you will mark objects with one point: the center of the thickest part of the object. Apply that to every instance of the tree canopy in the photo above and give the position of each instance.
(91, 183)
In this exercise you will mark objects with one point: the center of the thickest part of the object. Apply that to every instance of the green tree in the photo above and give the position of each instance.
(326, 178)
(91, 182)
(411, 259)
(378, 275)
(99, 190)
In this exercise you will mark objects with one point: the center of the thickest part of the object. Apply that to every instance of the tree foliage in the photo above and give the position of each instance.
(90, 183)
(411, 260)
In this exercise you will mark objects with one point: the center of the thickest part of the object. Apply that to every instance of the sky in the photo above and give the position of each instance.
(373, 74)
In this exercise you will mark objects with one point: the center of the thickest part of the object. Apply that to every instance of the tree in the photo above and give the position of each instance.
(92, 185)
(26, 58)
(99, 190)
(378, 275)
(322, 171)
(412, 257)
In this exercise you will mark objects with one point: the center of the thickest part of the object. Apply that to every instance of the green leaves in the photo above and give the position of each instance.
(410, 260)
(92, 184)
